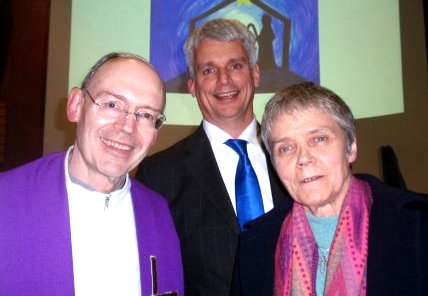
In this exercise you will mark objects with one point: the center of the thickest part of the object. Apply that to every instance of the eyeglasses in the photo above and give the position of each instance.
(113, 109)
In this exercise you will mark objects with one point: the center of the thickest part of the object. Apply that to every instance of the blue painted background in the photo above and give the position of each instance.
(170, 28)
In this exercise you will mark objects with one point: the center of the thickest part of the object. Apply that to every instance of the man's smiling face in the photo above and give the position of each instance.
(107, 149)
(224, 82)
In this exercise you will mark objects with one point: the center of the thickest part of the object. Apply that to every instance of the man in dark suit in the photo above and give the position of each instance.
(197, 174)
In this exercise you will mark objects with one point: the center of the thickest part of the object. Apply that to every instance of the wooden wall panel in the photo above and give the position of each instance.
(24, 81)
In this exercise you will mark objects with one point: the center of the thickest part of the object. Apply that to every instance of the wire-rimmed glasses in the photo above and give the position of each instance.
(114, 109)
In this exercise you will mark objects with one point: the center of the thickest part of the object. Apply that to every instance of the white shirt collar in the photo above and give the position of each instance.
(217, 135)
(74, 184)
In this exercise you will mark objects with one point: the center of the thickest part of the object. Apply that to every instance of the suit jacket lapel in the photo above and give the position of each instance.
(201, 164)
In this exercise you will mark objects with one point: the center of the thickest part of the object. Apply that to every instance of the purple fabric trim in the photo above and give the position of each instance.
(157, 237)
(35, 239)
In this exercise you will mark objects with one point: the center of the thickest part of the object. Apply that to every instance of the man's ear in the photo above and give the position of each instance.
(256, 75)
(75, 104)
(191, 86)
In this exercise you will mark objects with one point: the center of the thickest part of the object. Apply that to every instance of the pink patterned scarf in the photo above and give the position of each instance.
(296, 257)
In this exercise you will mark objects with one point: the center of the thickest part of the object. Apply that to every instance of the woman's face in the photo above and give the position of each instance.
(309, 154)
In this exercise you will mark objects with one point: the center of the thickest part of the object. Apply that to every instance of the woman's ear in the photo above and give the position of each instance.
(352, 155)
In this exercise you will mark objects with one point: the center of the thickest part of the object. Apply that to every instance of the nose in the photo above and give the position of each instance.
(305, 157)
(128, 122)
(223, 76)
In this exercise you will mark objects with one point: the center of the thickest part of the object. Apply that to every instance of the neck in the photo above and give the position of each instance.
(104, 186)
(233, 127)
(98, 182)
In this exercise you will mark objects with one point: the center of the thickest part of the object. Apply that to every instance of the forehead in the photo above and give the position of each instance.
(212, 50)
(304, 121)
(128, 71)
(129, 77)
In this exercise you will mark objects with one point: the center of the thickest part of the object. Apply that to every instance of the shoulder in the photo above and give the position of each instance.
(194, 140)
(156, 165)
(397, 240)
(171, 159)
(150, 196)
(40, 167)
(268, 225)
(400, 197)
(42, 178)
(167, 154)
(151, 208)
(394, 205)
(254, 266)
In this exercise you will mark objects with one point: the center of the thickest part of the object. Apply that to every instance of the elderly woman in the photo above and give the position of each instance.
(343, 234)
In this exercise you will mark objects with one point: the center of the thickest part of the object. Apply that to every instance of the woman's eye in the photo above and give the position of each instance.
(285, 149)
(320, 139)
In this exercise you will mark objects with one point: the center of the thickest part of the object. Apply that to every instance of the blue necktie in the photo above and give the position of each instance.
(249, 203)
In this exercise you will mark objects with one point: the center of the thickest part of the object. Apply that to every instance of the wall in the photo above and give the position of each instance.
(58, 132)
(407, 132)
(24, 43)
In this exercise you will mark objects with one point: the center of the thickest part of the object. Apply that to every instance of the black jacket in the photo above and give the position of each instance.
(398, 246)
(188, 176)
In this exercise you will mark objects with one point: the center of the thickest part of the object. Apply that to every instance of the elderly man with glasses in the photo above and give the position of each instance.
(76, 223)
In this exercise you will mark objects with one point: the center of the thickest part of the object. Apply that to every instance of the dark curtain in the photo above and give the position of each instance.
(5, 34)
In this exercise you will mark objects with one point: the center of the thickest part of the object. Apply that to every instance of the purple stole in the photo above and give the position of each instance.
(35, 239)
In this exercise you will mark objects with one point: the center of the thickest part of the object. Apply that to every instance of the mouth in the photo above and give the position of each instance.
(116, 145)
(311, 179)
(226, 95)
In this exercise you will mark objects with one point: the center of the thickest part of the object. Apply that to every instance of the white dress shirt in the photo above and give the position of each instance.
(104, 242)
(227, 160)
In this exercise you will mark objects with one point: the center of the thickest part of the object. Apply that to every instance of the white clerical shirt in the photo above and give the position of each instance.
(103, 236)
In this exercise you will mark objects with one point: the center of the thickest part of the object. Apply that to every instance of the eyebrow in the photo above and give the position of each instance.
(279, 140)
(125, 99)
(240, 59)
(230, 61)
(321, 129)
(311, 132)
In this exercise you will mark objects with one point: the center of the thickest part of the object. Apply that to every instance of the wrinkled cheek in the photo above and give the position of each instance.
(292, 187)
(295, 192)
(286, 173)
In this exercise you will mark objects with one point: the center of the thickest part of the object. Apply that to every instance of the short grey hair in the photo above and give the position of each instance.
(115, 55)
(306, 95)
(220, 30)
